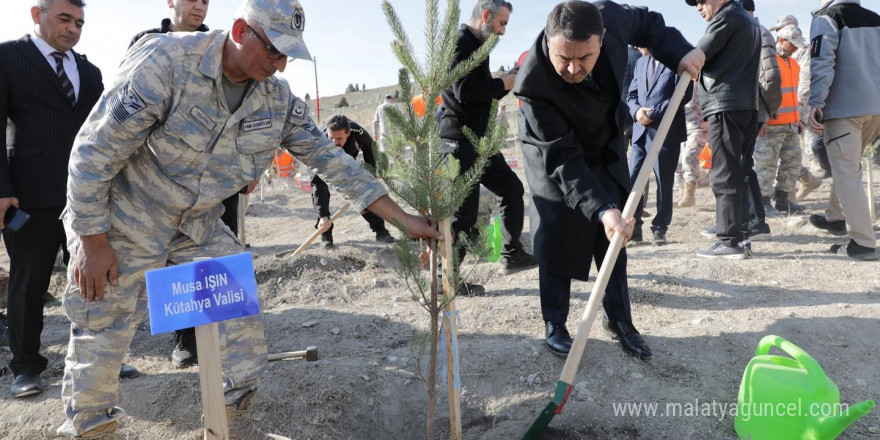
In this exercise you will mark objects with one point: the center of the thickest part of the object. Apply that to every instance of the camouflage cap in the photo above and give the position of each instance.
(792, 33)
(283, 21)
(783, 21)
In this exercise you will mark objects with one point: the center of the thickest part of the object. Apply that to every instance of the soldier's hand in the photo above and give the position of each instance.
(5, 203)
(251, 186)
(95, 264)
(692, 63)
(613, 222)
(324, 224)
(419, 227)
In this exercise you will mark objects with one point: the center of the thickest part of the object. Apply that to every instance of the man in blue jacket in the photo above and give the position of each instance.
(648, 100)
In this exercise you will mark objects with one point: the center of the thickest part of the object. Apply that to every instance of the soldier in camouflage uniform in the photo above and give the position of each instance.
(698, 135)
(778, 152)
(189, 120)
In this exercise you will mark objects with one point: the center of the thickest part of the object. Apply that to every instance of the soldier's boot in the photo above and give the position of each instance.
(185, 353)
(769, 210)
(687, 197)
(239, 417)
(106, 431)
(785, 205)
(808, 182)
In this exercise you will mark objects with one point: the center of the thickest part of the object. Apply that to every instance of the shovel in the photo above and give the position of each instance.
(572, 362)
(317, 233)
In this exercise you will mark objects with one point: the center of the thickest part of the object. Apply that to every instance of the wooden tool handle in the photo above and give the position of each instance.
(314, 236)
(598, 293)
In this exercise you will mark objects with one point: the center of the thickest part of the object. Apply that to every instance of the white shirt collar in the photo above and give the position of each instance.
(46, 49)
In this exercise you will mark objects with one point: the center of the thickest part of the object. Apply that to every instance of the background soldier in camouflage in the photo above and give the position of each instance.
(189, 120)
(698, 135)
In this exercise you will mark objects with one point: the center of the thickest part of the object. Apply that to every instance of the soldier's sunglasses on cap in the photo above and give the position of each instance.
(274, 54)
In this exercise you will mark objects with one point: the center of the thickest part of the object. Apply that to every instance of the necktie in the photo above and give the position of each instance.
(62, 76)
(651, 69)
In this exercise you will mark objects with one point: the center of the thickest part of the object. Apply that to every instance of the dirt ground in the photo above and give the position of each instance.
(702, 318)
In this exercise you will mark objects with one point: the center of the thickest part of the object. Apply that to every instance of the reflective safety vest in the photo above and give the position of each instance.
(788, 110)
(283, 163)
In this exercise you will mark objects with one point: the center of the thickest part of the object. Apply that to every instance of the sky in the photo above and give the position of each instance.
(350, 39)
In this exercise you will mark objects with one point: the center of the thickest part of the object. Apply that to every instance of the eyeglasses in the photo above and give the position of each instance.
(274, 54)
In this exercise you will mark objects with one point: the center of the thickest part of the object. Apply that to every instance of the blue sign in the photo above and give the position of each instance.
(202, 292)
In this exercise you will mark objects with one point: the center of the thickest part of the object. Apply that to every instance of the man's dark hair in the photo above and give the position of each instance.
(490, 5)
(575, 20)
(338, 122)
(44, 5)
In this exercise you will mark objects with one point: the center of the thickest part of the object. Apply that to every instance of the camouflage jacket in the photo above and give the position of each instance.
(161, 149)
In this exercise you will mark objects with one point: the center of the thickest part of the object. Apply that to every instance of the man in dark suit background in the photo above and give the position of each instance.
(571, 126)
(648, 100)
(46, 92)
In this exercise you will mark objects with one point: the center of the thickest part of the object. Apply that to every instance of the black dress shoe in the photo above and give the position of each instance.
(128, 372)
(25, 385)
(558, 340)
(630, 339)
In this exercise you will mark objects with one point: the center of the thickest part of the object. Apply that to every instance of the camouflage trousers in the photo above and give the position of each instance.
(778, 159)
(807, 138)
(690, 152)
(101, 331)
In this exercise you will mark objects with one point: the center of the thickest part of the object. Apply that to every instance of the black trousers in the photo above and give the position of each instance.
(732, 137)
(664, 173)
(555, 291)
(321, 203)
(230, 215)
(32, 252)
(501, 181)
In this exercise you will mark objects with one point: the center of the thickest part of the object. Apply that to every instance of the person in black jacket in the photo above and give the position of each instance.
(186, 16)
(46, 92)
(729, 86)
(571, 125)
(189, 16)
(468, 104)
(352, 138)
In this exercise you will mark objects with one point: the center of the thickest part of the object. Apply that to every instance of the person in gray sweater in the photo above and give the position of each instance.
(845, 109)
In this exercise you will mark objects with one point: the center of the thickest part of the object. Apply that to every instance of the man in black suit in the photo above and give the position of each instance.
(46, 92)
(571, 126)
(468, 104)
(352, 138)
(648, 100)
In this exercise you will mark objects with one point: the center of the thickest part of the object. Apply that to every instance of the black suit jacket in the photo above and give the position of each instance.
(40, 124)
(571, 172)
(655, 93)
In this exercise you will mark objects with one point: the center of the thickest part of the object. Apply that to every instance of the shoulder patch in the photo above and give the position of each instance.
(816, 46)
(299, 108)
(125, 103)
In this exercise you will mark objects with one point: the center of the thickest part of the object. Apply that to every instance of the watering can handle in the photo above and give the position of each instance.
(807, 362)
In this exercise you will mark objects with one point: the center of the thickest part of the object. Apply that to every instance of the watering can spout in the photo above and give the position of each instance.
(832, 426)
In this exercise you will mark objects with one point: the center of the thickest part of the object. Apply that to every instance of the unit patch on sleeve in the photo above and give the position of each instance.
(299, 109)
(125, 103)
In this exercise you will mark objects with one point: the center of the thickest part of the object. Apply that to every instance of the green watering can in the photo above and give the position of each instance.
(494, 239)
(782, 398)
